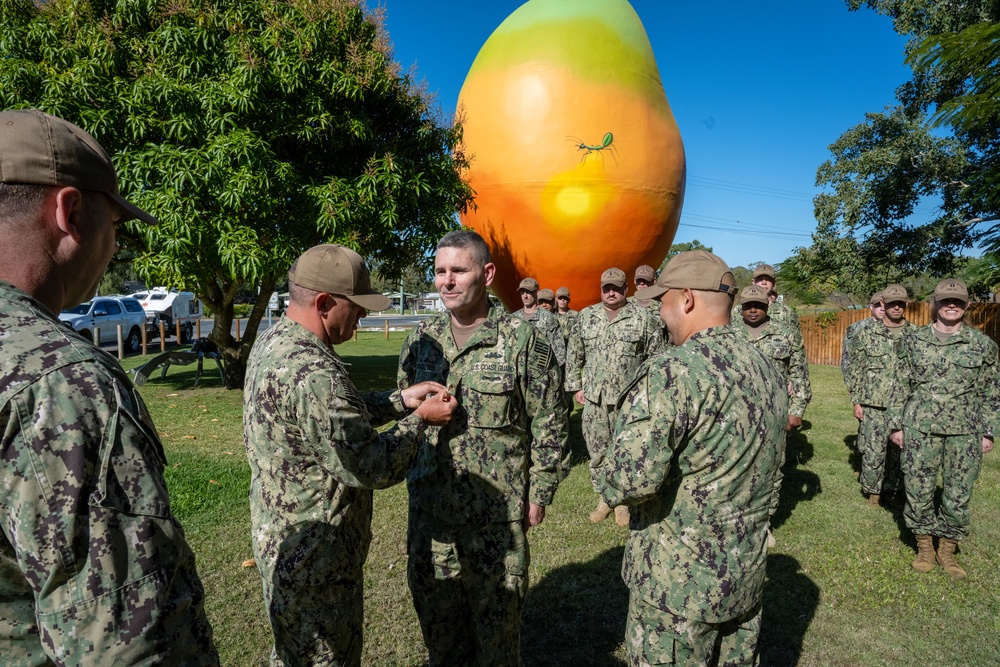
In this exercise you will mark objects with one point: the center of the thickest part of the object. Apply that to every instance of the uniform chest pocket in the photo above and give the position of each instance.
(489, 399)
(780, 350)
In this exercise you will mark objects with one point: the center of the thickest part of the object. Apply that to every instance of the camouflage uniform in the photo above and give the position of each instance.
(950, 401)
(549, 326)
(566, 322)
(874, 374)
(505, 446)
(845, 353)
(602, 358)
(697, 447)
(785, 349)
(94, 568)
(314, 458)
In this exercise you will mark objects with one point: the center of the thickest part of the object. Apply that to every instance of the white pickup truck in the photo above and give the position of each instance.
(105, 313)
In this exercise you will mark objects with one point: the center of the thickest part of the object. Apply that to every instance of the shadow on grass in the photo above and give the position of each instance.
(576, 615)
(798, 485)
(790, 602)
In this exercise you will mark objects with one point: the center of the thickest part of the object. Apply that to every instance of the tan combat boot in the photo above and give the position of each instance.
(621, 515)
(874, 499)
(601, 513)
(946, 558)
(924, 562)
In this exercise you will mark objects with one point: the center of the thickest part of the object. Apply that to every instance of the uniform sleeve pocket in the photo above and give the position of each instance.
(131, 476)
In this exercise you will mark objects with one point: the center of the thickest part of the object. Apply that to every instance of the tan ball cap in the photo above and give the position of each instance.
(529, 284)
(613, 276)
(876, 299)
(39, 149)
(894, 293)
(335, 269)
(645, 272)
(546, 295)
(754, 294)
(694, 269)
(764, 270)
(951, 288)
(563, 291)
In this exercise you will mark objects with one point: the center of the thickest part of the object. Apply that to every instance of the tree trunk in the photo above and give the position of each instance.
(236, 353)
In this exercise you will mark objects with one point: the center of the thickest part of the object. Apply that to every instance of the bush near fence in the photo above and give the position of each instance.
(824, 334)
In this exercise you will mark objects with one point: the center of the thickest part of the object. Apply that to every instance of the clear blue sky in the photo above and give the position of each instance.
(759, 90)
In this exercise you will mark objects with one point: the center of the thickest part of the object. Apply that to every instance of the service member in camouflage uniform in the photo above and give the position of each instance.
(315, 456)
(609, 341)
(877, 313)
(697, 447)
(785, 348)
(94, 568)
(764, 278)
(950, 413)
(874, 352)
(567, 316)
(547, 301)
(481, 481)
(544, 322)
(643, 278)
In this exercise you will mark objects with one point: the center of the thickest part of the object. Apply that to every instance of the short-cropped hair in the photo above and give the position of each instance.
(466, 239)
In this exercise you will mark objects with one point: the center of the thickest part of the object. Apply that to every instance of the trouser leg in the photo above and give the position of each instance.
(873, 443)
(598, 429)
(922, 459)
(434, 576)
(963, 459)
(469, 583)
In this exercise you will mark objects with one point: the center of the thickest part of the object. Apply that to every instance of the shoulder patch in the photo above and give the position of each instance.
(540, 356)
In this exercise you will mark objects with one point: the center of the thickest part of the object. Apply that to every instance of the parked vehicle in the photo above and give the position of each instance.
(105, 313)
(170, 306)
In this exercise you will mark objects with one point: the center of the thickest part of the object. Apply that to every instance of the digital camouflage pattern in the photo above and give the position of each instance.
(948, 388)
(566, 321)
(949, 400)
(785, 348)
(94, 568)
(314, 457)
(469, 583)
(548, 325)
(958, 459)
(845, 356)
(657, 637)
(699, 440)
(506, 442)
(873, 384)
(603, 355)
(506, 445)
(602, 358)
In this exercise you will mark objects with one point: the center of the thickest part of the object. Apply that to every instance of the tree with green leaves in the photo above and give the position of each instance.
(896, 160)
(252, 130)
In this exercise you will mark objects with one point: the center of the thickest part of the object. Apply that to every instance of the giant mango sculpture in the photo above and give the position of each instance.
(578, 164)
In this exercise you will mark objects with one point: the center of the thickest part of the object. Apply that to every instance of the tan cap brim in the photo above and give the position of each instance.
(371, 301)
(651, 292)
(132, 211)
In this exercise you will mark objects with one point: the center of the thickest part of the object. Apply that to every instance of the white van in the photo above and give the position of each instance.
(170, 306)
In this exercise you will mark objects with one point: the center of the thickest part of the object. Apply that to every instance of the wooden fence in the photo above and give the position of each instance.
(824, 336)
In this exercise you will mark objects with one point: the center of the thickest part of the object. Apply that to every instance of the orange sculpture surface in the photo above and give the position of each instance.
(578, 164)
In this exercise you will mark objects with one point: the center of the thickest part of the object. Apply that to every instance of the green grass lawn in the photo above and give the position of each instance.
(840, 591)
